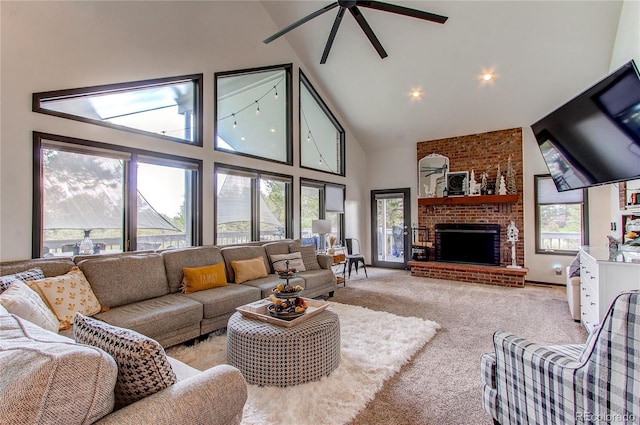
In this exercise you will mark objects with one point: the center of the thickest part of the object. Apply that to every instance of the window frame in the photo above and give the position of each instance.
(257, 175)
(322, 185)
(196, 79)
(584, 218)
(129, 228)
(304, 81)
(288, 71)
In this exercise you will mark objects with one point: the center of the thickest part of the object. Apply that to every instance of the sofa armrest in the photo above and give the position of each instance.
(325, 261)
(214, 396)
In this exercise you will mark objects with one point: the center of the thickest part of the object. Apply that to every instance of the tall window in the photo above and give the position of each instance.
(321, 136)
(319, 200)
(169, 107)
(118, 200)
(253, 113)
(561, 218)
(251, 205)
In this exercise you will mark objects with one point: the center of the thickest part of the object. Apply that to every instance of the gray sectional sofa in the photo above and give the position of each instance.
(139, 291)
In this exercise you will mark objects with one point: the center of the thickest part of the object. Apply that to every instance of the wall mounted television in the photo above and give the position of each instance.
(594, 138)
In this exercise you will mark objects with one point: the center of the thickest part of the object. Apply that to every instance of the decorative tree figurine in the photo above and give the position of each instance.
(511, 178)
(502, 189)
(498, 175)
(473, 185)
(483, 184)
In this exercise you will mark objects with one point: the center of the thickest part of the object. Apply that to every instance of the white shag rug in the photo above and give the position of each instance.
(374, 346)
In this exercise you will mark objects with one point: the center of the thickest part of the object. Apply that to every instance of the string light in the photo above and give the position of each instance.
(255, 102)
(310, 138)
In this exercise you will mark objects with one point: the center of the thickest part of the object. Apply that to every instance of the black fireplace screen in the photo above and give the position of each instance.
(470, 243)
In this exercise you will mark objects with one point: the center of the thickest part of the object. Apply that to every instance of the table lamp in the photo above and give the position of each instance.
(321, 227)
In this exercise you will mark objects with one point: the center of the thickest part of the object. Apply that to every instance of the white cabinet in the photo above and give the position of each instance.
(601, 279)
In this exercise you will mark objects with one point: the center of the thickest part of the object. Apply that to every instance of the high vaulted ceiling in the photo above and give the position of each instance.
(542, 53)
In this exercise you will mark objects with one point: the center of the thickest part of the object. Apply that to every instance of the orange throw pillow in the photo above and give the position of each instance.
(249, 269)
(201, 278)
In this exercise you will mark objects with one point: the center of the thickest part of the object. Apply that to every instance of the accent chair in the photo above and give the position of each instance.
(591, 383)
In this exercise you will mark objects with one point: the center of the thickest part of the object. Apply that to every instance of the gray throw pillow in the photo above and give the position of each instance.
(143, 367)
(309, 256)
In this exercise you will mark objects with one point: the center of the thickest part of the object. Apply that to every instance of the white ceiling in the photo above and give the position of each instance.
(542, 52)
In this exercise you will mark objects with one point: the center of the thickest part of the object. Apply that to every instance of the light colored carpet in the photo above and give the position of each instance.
(441, 385)
(374, 346)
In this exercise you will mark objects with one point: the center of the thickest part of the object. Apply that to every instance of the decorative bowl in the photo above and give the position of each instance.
(284, 314)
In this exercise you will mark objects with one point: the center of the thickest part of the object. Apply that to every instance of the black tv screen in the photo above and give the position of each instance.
(594, 138)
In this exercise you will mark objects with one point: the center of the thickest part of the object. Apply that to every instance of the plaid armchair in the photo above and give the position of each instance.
(594, 383)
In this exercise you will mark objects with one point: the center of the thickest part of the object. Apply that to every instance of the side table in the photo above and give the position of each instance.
(339, 259)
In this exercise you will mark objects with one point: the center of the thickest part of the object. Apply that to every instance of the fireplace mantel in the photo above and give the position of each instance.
(459, 200)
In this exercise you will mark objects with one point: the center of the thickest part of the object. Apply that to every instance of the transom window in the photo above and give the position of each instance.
(561, 218)
(169, 107)
(251, 205)
(253, 113)
(321, 136)
(117, 200)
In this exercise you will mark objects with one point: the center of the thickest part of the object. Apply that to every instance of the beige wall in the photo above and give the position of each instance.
(58, 45)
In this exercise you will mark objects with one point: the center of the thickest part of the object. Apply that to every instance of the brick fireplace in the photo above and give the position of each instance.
(479, 152)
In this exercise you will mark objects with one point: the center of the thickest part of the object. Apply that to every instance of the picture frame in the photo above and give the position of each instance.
(457, 183)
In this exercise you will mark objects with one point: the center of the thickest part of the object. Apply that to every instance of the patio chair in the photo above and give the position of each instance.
(354, 257)
(592, 383)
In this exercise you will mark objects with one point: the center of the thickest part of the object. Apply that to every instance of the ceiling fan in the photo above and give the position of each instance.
(352, 5)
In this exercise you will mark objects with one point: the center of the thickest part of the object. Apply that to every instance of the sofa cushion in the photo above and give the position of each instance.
(200, 278)
(316, 278)
(155, 316)
(219, 301)
(279, 262)
(143, 368)
(49, 266)
(245, 270)
(266, 284)
(124, 280)
(238, 253)
(24, 302)
(67, 294)
(176, 259)
(308, 255)
(27, 275)
(49, 379)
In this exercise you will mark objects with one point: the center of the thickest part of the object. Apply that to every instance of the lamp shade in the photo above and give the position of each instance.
(321, 226)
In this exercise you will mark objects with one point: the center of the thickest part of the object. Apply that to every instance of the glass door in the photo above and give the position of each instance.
(390, 218)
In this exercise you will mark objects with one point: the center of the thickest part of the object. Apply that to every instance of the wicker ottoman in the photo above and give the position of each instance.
(273, 355)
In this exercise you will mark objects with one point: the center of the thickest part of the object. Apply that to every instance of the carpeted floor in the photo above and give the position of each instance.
(441, 385)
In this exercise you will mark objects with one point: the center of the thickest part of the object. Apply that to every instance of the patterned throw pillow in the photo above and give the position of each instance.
(279, 262)
(31, 274)
(309, 257)
(201, 278)
(67, 294)
(249, 269)
(143, 368)
(22, 301)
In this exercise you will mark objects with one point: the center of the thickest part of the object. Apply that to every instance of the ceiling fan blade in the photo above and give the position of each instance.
(401, 10)
(332, 35)
(300, 22)
(368, 31)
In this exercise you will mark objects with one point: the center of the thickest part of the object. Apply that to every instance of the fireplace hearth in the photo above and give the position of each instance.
(468, 243)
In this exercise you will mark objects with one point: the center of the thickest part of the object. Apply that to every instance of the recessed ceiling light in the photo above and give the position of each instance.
(273, 130)
(416, 93)
(487, 76)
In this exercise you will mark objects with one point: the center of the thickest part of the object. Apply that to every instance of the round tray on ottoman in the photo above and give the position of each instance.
(272, 355)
